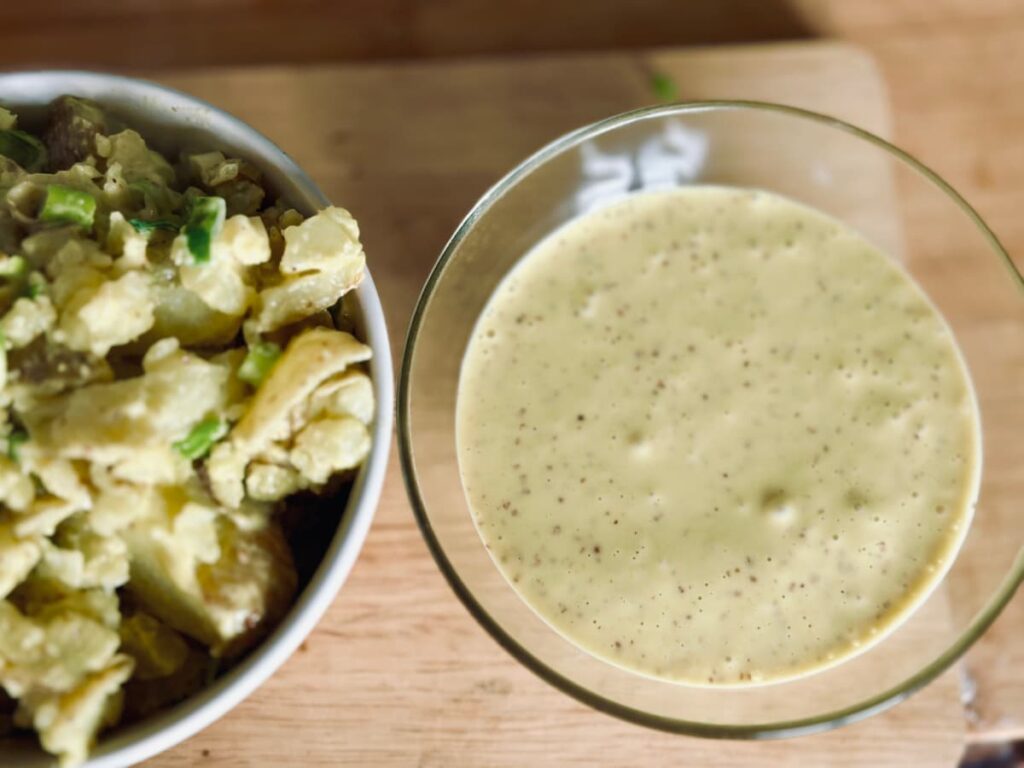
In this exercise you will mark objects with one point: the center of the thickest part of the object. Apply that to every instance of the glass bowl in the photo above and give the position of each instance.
(822, 162)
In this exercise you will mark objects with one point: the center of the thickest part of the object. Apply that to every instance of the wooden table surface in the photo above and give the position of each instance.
(398, 673)
(954, 70)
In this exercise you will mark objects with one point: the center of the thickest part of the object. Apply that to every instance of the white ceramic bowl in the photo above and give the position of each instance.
(172, 118)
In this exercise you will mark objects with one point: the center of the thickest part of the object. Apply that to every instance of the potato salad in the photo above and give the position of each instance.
(178, 371)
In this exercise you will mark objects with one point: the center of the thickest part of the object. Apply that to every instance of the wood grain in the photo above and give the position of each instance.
(954, 69)
(958, 95)
(162, 33)
(152, 33)
(398, 673)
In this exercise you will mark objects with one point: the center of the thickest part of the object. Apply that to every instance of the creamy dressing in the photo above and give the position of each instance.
(716, 437)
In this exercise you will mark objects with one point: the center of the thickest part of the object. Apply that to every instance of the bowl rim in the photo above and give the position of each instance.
(174, 725)
(756, 731)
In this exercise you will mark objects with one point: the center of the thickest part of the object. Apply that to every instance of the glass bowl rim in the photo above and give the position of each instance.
(766, 730)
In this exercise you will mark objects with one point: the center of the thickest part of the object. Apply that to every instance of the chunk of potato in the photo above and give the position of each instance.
(76, 266)
(209, 578)
(43, 516)
(43, 598)
(59, 477)
(17, 558)
(115, 423)
(117, 504)
(180, 313)
(212, 168)
(125, 241)
(27, 320)
(17, 491)
(224, 283)
(69, 721)
(221, 284)
(347, 394)
(72, 127)
(137, 161)
(81, 558)
(330, 445)
(325, 242)
(54, 652)
(300, 296)
(309, 359)
(244, 240)
(271, 482)
(97, 318)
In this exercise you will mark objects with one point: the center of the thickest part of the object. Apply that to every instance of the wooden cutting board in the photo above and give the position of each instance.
(398, 673)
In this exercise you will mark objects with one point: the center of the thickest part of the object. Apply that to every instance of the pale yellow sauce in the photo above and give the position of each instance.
(716, 437)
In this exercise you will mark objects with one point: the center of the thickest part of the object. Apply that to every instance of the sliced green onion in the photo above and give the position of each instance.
(13, 266)
(15, 440)
(258, 362)
(24, 149)
(205, 220)
(144, 226)
(664, 87)
(68, 206)
(201, 438)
